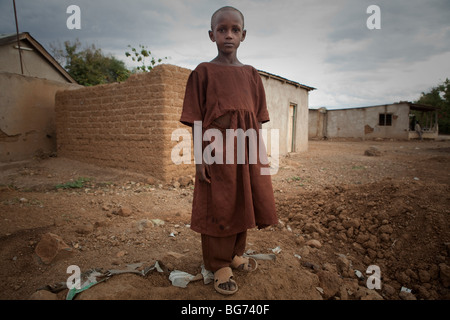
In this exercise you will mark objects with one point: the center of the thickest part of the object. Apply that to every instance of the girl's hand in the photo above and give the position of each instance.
(203, 172)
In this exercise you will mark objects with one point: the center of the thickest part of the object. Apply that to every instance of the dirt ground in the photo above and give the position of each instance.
(340, 212)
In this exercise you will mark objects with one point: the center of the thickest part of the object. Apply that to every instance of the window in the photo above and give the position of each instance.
(385, 119)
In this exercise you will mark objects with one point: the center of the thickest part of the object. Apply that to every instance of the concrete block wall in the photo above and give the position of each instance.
(125, 125)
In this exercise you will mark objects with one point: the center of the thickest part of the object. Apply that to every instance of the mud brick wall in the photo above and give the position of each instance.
(125, 125)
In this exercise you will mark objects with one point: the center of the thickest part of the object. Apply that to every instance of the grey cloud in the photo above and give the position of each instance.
(411, 31)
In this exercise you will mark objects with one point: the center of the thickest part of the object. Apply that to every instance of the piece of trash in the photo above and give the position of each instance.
(404, 289)
(95, 276)
(415, 178)
(359, 274)
(276, 250)
(131, 268)
(88, 279)
(208, 276)
(319, 289)
(297, 256)
(172, 235)
(181, 278)
(262, 256)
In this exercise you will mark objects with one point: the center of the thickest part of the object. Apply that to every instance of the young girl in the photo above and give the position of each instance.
(230, 197)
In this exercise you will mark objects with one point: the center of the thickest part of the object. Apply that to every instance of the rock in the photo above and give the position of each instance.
(125, 211)
(424, 276)
(43, 295)
(343, 264)
(175, 255)
(157, 222)
(358, 248)
(364, 293)
(152, 181)
(304, 251)
(313, 227)
(84, 228)
(388, 289)
(144, 223)
(176, 184)
(385, 237)
(405, 295)
(314, 243)
(444, 273)
(120, 254)
(372, 295)
(348, 288)
(423, 292)
(50, 246)
(310, 265)
(372, 152)
(362, 237)
(185, 181)
(385, 229)
(329, 282)
(347, 223)
(403, 278)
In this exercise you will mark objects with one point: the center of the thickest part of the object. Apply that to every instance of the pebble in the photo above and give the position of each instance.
(313, 243)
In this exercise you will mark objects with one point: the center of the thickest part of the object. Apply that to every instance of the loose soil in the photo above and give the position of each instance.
(340, 212)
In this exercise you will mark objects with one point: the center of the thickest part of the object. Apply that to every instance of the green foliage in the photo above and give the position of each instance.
(90, 66)
(439, 96)
(144, 56)
(79, 183)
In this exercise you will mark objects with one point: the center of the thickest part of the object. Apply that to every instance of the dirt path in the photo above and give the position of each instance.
(340, 212)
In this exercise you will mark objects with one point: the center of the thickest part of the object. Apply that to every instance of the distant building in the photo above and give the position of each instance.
(36, 61)
(27, 99)
(287, 102)
(395, 121)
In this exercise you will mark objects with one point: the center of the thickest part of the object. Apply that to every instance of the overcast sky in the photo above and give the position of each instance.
(323, 44)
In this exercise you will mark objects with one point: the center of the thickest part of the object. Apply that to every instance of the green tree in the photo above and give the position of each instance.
(144, 56)
(89, 66)
(439, 96)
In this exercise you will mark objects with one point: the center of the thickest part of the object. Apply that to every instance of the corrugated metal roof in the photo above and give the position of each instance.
(274, 76)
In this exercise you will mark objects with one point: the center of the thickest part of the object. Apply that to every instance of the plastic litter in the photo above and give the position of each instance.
(95, 276)
(359, 274)
(262, 256)
(208, 276)
(405, 289)
(181, 279)
(276, 250)
(88, 279)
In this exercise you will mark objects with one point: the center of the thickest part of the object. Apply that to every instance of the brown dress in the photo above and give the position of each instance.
(239, 197)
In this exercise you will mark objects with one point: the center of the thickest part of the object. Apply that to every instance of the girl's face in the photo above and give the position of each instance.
(228, 31)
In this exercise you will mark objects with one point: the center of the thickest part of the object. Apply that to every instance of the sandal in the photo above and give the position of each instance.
(222, 276)
(245, 264)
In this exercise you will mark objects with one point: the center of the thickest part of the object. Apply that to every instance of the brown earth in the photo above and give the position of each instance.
(340, 211)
